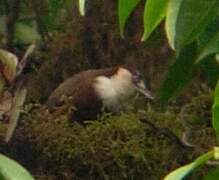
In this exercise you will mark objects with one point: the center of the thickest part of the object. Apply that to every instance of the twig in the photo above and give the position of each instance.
(187, 133)
(18, 101)
(166, 132)
(23, 62)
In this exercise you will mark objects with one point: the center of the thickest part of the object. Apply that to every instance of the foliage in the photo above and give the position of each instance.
(153, 18)
(179, 74)
(18, 102)
(184, 170)
(182, 35)
(33, 21)
(11, 170)
(191, 33)
(82, 7)
(9, 62)
(212, 174)
(181, 16)
(124, 12)
(11, 103)
(25, 34)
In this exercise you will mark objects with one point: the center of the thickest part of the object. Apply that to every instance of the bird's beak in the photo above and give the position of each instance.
(141, 88)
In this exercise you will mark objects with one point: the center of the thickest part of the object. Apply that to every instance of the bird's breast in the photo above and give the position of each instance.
(112, 92)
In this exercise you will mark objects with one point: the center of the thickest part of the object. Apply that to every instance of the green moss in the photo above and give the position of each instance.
(198, 111)
(131, 145)
(113, 147)
(196, 116)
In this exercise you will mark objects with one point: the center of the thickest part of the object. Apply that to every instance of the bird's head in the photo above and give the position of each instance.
(139, 84)
(132, 80)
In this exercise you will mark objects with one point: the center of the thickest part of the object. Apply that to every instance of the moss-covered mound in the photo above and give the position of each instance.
(125, 146)
(139, 144)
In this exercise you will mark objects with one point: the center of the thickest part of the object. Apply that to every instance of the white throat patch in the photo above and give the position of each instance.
(115, 89)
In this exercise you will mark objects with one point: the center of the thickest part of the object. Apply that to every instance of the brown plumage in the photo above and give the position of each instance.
(92, 90)
(80, 88)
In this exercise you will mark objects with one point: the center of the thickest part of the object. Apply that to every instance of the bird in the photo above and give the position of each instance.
(93, 90)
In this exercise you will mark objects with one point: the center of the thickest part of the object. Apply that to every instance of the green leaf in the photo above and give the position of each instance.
(211, 47)
(186, 19)
(183, 171)
(215, 110)
(217, 57)
(179, 74)
(209, 41)
(216, 153)
(25, 34)
(212, 174)
(81, 5)
(171, 21)
(9, 64)
(18, 101)
(11, 170)
(125, 9)
(154, 13)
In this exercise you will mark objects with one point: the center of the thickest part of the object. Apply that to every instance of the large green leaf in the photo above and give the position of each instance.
(11, 170)
(81, 5)
(211, 47)
(179, 74)
(154, 13)
(186, 19)
(215, 110)
(183, 171)
(209, 40)
(125, 9)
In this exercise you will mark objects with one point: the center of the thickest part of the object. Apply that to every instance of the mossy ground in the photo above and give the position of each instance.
(141, 145)
(138, 144)
(114, 147)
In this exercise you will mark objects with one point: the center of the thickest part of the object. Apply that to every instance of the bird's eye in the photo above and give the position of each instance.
(136, 77)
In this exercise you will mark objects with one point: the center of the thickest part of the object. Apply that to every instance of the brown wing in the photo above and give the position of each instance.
(79, 87)
(68, 88)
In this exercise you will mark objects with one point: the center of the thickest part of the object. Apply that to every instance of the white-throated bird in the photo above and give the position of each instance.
(93, 90)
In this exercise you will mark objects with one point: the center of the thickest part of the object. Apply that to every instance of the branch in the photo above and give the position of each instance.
(166, 132)
(23, 62)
